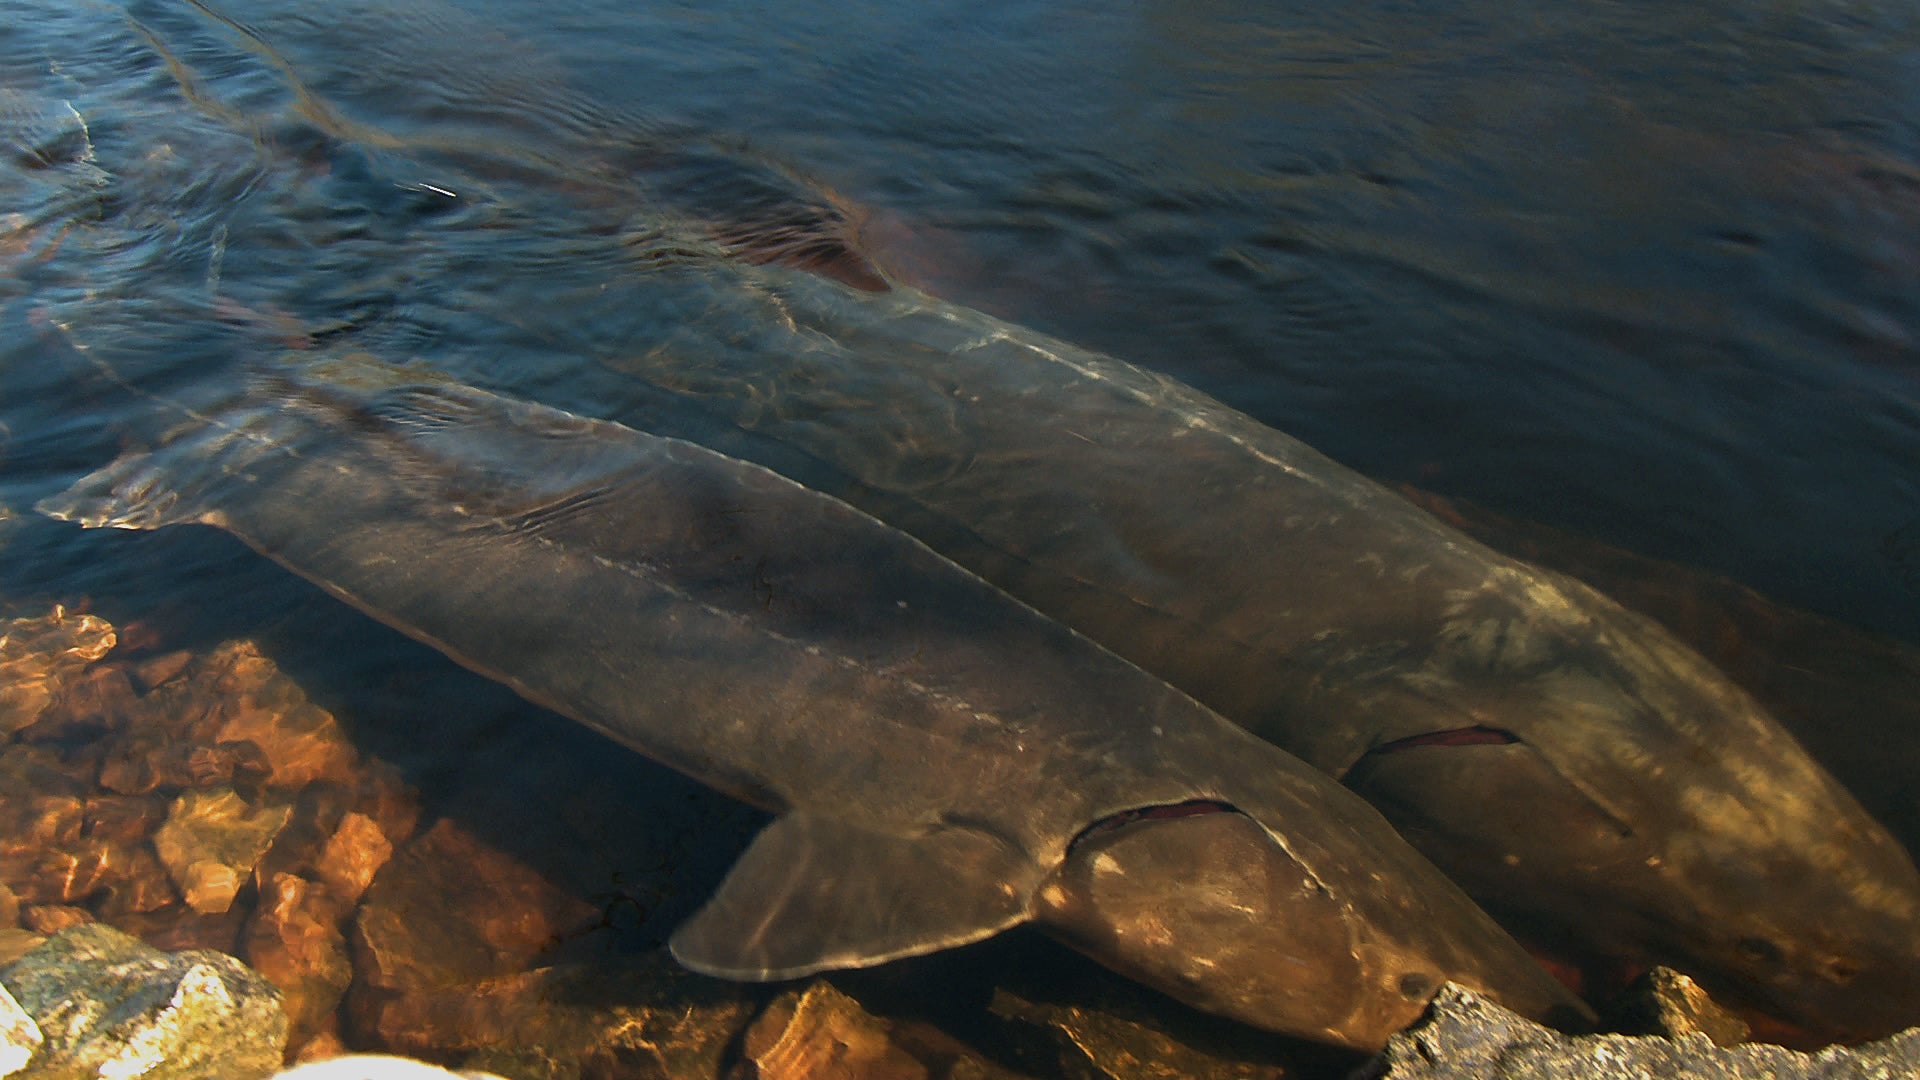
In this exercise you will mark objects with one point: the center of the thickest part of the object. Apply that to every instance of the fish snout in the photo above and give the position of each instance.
(1208, 908)
(1840, 960)
(1750, 870)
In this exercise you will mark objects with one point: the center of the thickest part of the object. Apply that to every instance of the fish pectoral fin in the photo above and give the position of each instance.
(814, 894)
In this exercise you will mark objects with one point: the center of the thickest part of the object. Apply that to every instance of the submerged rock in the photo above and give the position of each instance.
(294, 940)
(1466, 1037)
(40, 657)
(107, 1005)
(450, 909)
(211, 842)
(638, 1016)
(257, 704)
(817, 1032)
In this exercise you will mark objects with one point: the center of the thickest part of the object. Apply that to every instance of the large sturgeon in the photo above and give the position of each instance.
(945, 762)
(1572, 765)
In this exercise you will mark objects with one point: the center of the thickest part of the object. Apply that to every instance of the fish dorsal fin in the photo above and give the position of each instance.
(814, 894)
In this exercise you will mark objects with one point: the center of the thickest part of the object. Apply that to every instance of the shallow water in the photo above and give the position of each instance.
(1644, 273)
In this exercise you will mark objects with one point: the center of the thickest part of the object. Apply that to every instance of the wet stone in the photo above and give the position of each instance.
(49, 919)
(92, 704)
(137, 885)
(20, 1037)
(107, 1005)
(42, 657)
(16, 942)
(258, 704)
(1665, 1002)
(819, 1032)
(353, 855)
(449, 909)
(636, 1016)
(177, 926)
(294, 940)
(382, 793)
(211, 841)
(1466, 1037)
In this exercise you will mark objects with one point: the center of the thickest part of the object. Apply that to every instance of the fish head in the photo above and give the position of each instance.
(1201, 902)
(1612, 795)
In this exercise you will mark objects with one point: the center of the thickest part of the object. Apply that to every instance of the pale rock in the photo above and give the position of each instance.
(211, 842)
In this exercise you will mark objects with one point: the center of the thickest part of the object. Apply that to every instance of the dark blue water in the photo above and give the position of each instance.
(1644, 272)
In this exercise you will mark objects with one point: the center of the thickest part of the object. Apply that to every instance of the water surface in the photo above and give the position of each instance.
(1645, 273)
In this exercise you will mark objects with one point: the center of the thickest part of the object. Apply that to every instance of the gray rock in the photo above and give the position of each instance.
(1465, 1037)
(109, 1005)
(19, 1035)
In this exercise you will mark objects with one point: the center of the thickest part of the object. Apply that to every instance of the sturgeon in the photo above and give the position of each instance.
(1583, 774)
(944, 762)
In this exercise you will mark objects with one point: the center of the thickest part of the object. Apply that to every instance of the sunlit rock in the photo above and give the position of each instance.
(107, 1005)
(259, 704)
(9, 907)
(1466, 1037)
(20, 1037)
(16, 942)
(353, 855)
(50, 919)
(41, 657)
(67, 875)
(1665, 1002)
(634, 1016)
(137, 884)
(89, 706)
(41, 813)
(294, 940)
(211, 841)
(819, 1032)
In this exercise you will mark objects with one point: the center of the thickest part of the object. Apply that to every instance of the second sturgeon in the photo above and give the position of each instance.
(945, 762)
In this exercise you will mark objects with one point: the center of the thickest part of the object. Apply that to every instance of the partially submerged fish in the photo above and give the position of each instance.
(1572, 765)
(945, 762)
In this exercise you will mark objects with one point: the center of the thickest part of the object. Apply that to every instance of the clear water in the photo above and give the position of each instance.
(1645, 272)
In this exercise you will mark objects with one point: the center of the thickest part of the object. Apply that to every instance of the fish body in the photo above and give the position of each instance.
(943, 762)
(1579, 770)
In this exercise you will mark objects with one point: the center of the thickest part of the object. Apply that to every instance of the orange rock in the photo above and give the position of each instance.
(294, 940)
(353, 855)
(449, 908)
(822, 1034)
(640, 1016)
(15, 943)
(40, 657)
(211, 842)
(259, 704)
(50, 919)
